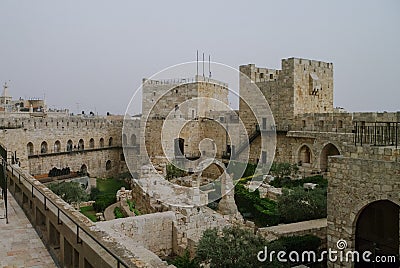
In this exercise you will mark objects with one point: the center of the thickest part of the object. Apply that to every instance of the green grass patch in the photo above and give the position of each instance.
(89, 212)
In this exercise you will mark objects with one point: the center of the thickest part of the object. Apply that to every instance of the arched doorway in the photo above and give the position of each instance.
(108, 165)
(377, 231)
(110, 141)
(179, 147)
(304, 155)
(328, 150)
(84, 170)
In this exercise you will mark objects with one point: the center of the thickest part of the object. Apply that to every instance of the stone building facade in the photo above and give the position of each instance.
(80, 143)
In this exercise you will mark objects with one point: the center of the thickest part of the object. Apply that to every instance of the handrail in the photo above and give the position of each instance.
(116, 257)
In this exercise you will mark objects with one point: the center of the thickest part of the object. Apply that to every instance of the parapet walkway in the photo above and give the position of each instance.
(19, 243)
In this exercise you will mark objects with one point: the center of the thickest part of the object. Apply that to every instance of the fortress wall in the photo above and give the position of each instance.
(353, 184)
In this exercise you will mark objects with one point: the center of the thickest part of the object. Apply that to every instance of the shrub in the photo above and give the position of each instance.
(233, 247)
(289, 183)
(94, 192)
(300, 243)
(131, 204)
(184, 261)
(283, 169)
(263, 210)
(69, 191)
(103, 201)
(118, 213)
(174, 172)
(300, 205)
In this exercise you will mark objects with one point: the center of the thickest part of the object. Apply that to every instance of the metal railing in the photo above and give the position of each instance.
(60, 211)
(377, 133)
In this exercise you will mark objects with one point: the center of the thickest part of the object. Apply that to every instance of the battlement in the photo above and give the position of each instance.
(306, 62)
(15, 120)
(179, 81)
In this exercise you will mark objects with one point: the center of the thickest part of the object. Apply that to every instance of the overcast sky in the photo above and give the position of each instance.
(92, 55)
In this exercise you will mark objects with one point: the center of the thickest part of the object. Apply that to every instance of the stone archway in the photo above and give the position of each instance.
(328, 150)
(304, 156)
(377, 231)
(84, 170)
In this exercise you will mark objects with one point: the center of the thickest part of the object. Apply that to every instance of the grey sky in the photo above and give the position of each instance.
(95, 53)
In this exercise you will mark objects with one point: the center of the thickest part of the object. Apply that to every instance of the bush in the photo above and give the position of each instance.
(289, 183)
(300, 243)
(300, 205)
(118, 213)
(174, 172)
(131, 204)
(263, 210)
(281, 170)
(69, 191)
(184, 261)
(233, 247)
(103, 201)
(94, 192)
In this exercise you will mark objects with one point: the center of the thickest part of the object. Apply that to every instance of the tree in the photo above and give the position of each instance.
(281, 170)
(69, 191)
(233, 247)
(299, 205)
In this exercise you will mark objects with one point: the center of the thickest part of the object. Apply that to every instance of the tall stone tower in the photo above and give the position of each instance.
(301, 86)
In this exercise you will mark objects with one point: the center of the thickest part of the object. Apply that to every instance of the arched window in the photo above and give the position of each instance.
(29, 148)
(81, 144)
(101, 142)
(69, 145)
(91, 143)
(124, 139)
(43, 147)
(108, 165)
(57, 146)
(133, 139)
(110, 141)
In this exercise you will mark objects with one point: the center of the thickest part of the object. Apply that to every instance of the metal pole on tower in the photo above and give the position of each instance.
(197, 63)
(203, 64)
(209, 65)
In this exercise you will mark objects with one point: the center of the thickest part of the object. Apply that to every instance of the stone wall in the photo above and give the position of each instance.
(152, 231)
(44, 143)
(313, 227)
(355, 183)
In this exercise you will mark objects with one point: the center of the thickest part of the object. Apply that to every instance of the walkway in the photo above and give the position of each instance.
(20, 244)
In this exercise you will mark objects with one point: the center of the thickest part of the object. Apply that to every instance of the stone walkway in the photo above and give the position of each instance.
(19, 243)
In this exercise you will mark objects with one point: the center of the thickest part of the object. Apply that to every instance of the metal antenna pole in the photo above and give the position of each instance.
(209, 65)
(203, 64)
(197, 63)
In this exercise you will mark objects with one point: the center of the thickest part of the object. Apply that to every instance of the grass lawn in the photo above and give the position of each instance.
(89, 212)
(111, 185)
